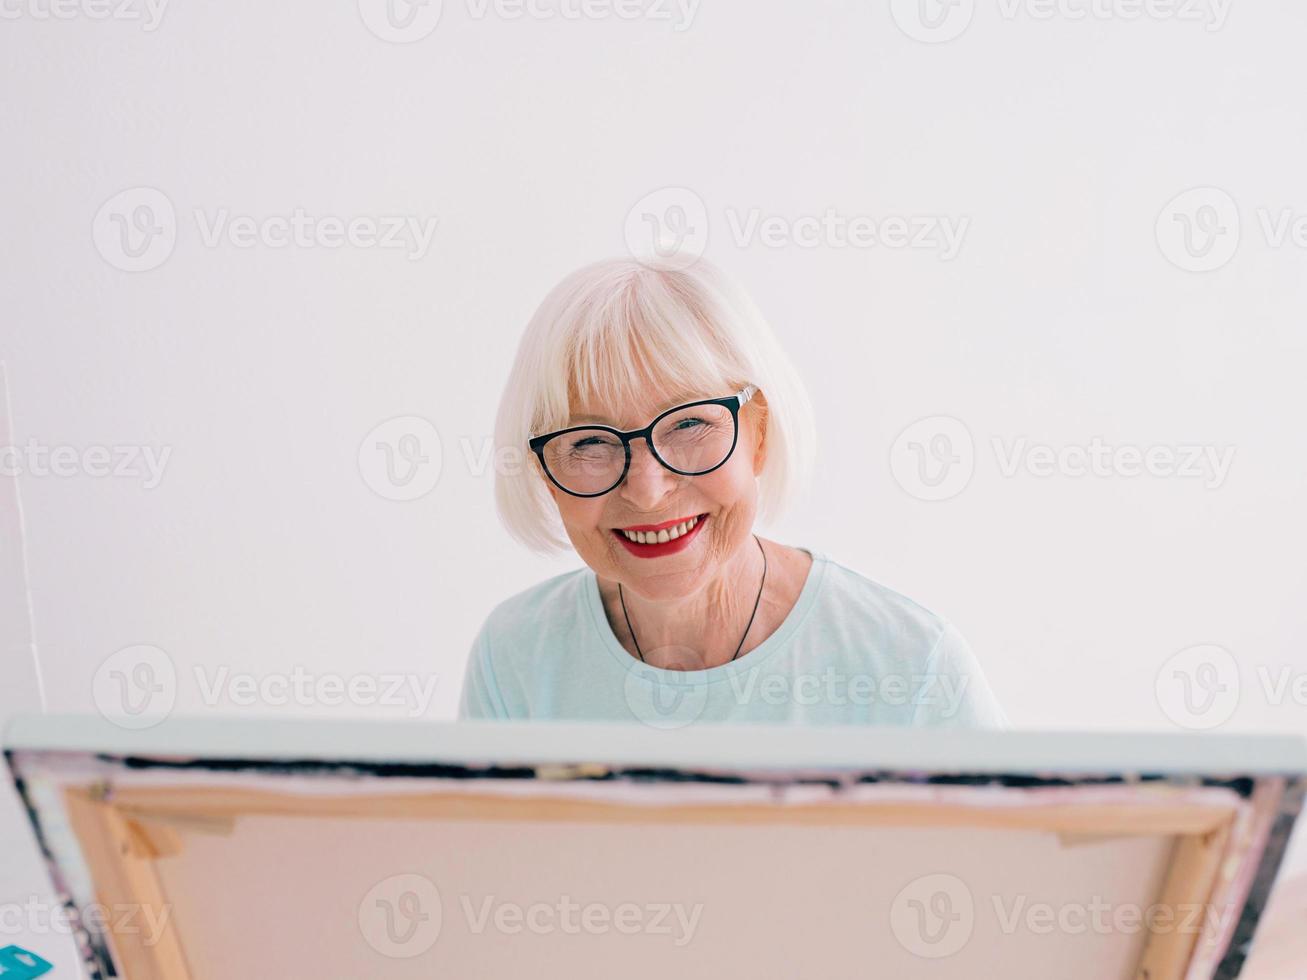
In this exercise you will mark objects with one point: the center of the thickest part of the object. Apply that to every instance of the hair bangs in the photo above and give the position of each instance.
(643, 338)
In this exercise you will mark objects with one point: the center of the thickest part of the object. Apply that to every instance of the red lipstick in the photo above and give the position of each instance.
(665, 548)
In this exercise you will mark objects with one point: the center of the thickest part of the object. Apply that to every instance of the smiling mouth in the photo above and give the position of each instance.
(664, 534)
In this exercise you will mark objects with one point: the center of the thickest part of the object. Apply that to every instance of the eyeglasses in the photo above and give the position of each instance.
(690, 439)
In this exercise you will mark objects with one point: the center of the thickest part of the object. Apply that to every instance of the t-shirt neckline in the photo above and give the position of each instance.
(747, 661)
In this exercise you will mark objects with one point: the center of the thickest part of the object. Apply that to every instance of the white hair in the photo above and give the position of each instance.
(612, 327)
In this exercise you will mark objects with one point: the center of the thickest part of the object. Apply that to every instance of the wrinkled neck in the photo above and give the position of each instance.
(695, 631)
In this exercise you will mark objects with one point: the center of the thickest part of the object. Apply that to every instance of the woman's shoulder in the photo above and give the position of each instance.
(895, 638)
(547, 606)
(519, 635)
(851, 596)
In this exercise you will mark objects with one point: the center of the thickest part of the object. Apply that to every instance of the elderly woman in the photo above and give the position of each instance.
(659, 416)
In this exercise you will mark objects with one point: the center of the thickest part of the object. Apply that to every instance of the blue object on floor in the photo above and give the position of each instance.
(17, 963)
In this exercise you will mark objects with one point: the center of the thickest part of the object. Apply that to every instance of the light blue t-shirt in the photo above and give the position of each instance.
(851, 651)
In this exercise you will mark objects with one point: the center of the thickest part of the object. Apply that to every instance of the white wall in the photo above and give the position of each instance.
(1060, 319)
(1064, 316)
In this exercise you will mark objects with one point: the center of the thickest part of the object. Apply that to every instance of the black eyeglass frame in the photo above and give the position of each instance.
(733, 402)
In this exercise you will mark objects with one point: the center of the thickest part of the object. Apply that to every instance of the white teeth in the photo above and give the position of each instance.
(663, 536)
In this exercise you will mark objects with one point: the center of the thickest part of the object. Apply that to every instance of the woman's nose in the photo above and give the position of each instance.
(647, 481)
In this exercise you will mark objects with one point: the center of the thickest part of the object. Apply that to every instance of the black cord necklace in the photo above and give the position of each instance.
(751, 615)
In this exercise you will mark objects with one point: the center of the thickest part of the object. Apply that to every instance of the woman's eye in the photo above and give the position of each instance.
(591, 442)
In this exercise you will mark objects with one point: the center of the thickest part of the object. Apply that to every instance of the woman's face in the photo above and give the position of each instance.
(725, 501)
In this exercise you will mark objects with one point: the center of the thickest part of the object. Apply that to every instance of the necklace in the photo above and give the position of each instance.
(746, 629)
